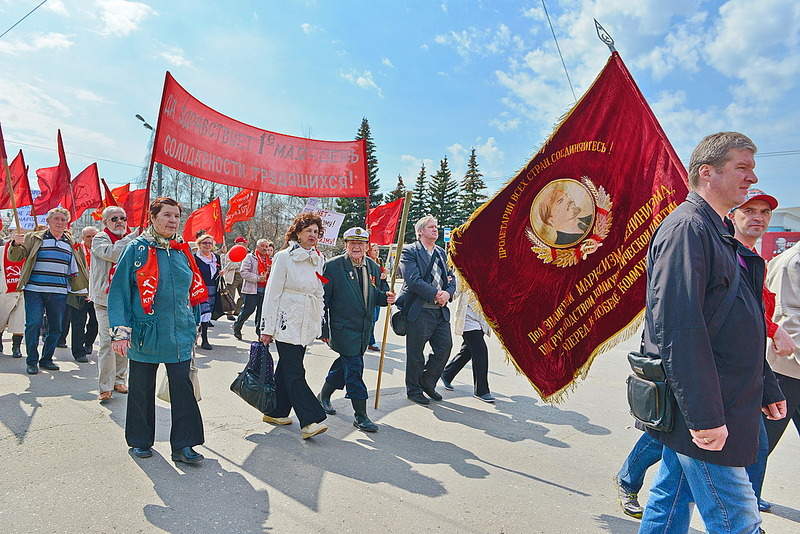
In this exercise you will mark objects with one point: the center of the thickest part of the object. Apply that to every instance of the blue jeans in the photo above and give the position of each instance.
(645, 453)
(36, 305)
(724, 497)
(756, 471)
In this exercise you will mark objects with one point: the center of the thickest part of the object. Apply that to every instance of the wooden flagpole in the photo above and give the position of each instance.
(10, 186)
(401, 238)
(146, 204)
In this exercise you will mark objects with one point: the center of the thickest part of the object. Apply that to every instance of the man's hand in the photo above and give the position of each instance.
(782, 343)
(262, 277)
(18, 238)
(121, 347)
(775, 411)
(442, 297)
(265, 339)
(390, 298)
(711, 439)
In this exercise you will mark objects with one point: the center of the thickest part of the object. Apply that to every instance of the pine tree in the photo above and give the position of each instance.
(472, 190)
(397, 192)
(444, 198)
(419, 203)
(355, 208)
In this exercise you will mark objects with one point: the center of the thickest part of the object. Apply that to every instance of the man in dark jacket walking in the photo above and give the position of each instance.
(712, 347)
(352, 290)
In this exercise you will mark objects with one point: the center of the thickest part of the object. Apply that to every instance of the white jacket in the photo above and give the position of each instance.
(292, 308)
(104, 255)
(783, 279)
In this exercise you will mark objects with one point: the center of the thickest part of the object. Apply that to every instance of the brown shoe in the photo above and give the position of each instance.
(120, 388)
(104, 396)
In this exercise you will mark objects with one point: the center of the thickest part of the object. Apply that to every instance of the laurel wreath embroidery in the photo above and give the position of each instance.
(566, 257)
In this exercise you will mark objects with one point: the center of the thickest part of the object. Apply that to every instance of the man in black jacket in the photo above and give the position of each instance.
(428, 285)
(712, 347)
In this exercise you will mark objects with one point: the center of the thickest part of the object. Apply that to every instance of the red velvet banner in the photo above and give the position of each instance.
(557, 259)
(195, 139)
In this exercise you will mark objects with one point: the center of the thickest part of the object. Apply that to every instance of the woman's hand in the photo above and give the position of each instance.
(265, 339)
(121, 347)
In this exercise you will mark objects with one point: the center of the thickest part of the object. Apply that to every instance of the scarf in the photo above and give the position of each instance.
(263, 264)
(11, 270)
(114, 238)
(147, 275)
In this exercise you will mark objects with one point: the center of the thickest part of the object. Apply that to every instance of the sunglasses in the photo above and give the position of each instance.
(120, 218)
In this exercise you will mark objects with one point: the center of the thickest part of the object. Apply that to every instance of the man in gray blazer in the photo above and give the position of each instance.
(428, 285)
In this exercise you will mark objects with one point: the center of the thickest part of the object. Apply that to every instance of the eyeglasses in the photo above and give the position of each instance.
(120, 218)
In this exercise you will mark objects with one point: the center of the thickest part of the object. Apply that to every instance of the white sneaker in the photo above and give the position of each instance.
(277, 420)
(313, 429)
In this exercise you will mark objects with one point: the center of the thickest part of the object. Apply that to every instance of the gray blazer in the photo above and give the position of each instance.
(417, 289)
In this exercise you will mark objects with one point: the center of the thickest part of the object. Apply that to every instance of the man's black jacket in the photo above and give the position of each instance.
(719, 380)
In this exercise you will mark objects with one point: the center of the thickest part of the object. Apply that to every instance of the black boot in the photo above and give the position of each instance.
(16, 346)
(325, 398)
(204, 333)
(361, 421)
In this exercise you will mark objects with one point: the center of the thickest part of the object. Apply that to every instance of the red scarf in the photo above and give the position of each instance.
(263, 265)
(87, 253)
(114, 238)
(147, 278)
(11, 270)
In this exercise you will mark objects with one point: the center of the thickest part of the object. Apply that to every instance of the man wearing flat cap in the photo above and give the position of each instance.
(353, 287)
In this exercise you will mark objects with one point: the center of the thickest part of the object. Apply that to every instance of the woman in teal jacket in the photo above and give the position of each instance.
(152, 311)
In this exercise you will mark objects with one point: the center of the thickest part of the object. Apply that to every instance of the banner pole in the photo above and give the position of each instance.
(146, 204)
(401, 237)
(10, 186)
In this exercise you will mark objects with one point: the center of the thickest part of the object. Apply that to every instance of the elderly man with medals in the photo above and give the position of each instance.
(353, 286)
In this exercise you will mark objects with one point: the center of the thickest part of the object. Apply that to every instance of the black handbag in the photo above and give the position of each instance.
(224, 303)
(650, 397)
(256, 384)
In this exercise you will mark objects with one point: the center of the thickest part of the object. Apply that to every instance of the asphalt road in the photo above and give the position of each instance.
(460, 465)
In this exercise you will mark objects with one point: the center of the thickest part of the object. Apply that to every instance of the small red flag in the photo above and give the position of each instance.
(134, 206)
(19, 183)
(53, 182)
(113, 197)
(3, 155)
(85, 192)
(241, 207)
(382, 222)
(208, 218)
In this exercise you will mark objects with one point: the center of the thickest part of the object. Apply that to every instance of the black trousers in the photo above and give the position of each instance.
(252, 303)
(431, 327)
(140, 422)
(291, 387)
(83, 332)
(791, 390)
(473, 347)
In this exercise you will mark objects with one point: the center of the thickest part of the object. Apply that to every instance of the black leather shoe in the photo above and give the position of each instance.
(237, 334)
(419, 398)
(141, 452)
(362, 422)
(205, 345)
(447, 385)
(16, 353)
(432, 394)
(50, 366)
(32, 369)
(61, 345)
(187, 455)
(82, 359)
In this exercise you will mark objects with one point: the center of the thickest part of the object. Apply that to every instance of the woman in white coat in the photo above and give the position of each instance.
(292, 316)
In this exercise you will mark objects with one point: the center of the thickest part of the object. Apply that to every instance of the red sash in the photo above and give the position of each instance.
(147, 278)
(263, 264)
(11, 270)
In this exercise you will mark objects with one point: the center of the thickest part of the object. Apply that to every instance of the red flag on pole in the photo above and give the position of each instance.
(19, 183)
(113, 197)
(241, 207)
(134, 205)
(3, 155)
(85, 192)
(53, 182)
(382, 222)
(557, 259)
(208, 218)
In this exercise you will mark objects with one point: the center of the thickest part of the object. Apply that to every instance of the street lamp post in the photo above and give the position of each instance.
(159, 168)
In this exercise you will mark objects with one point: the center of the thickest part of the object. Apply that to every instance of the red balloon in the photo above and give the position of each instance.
(237, 253)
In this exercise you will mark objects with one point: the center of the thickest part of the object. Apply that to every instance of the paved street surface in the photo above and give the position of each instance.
(460, 465)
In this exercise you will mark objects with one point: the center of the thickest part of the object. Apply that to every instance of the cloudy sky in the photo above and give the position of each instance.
(433, 78)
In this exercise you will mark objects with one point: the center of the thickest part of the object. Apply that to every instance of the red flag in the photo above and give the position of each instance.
(134, 206)
(53, 182)
(85, 192)
(19, 183)
(3, 155)
(200, 141)
(241, 207)
(208, 218)
(382, 222)
(113, 197)
(557, 259)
